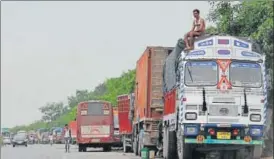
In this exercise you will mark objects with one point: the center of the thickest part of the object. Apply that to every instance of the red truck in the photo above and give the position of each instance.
(73, 128)
(125, 105)
(95, 126)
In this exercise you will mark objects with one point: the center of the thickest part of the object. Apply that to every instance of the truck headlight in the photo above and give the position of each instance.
(255, 132)
(190, 116)
(255, 117)
(191, 130)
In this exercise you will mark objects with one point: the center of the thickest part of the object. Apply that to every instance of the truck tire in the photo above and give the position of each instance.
(165, 143)
(140, 145)
(184, 151)
(135, 146)
(84, 148)
(171, 148)
(256, 151)
(107, 148)
(229, 154)
(80, 148)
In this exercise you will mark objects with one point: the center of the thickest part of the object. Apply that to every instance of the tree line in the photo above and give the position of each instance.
(55, 114)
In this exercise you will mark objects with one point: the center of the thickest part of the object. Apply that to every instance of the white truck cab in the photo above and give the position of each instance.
(221, 99)
(222, 93)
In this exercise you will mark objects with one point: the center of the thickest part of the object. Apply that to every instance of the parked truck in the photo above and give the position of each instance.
(148, 103)
(95, 126)
(215, 100)
(125, 116)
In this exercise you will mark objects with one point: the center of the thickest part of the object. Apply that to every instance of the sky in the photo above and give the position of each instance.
(50, 49)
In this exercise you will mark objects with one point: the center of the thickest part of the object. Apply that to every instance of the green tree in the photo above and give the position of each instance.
(51, 111)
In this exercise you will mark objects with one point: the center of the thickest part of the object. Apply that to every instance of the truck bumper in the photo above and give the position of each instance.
(214, 141)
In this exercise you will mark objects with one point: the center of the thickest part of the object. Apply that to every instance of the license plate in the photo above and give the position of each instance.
(95, 140)
(223, 135)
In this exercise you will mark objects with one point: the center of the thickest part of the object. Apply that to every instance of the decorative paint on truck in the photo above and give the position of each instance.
(95, 126)
(218, 102)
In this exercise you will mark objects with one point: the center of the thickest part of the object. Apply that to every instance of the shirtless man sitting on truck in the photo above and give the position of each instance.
(198, 29)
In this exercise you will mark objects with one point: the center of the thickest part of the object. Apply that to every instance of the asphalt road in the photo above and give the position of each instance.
(58, 152)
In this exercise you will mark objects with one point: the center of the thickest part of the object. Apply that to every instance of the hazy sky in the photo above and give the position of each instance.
(50, 49)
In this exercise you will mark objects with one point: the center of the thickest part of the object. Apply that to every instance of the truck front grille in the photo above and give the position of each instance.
(223, 110)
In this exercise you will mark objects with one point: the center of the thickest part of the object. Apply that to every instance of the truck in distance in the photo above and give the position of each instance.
(95, 125)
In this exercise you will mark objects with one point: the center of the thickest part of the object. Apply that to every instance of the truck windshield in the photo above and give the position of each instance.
(201, 73)
(97, 109)
(245, 74)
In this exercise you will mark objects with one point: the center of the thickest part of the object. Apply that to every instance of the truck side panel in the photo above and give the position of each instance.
(141, 86)
(123, 111)
(148, 90)
(170, 102)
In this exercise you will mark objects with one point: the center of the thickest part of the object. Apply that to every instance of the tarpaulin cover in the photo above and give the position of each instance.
(170, 70)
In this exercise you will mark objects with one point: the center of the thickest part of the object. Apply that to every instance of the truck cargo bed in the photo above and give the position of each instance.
(148, 90)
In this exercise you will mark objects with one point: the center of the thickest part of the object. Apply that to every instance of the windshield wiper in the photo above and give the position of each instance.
(245, 106)
(189, 72)
(204, 101)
